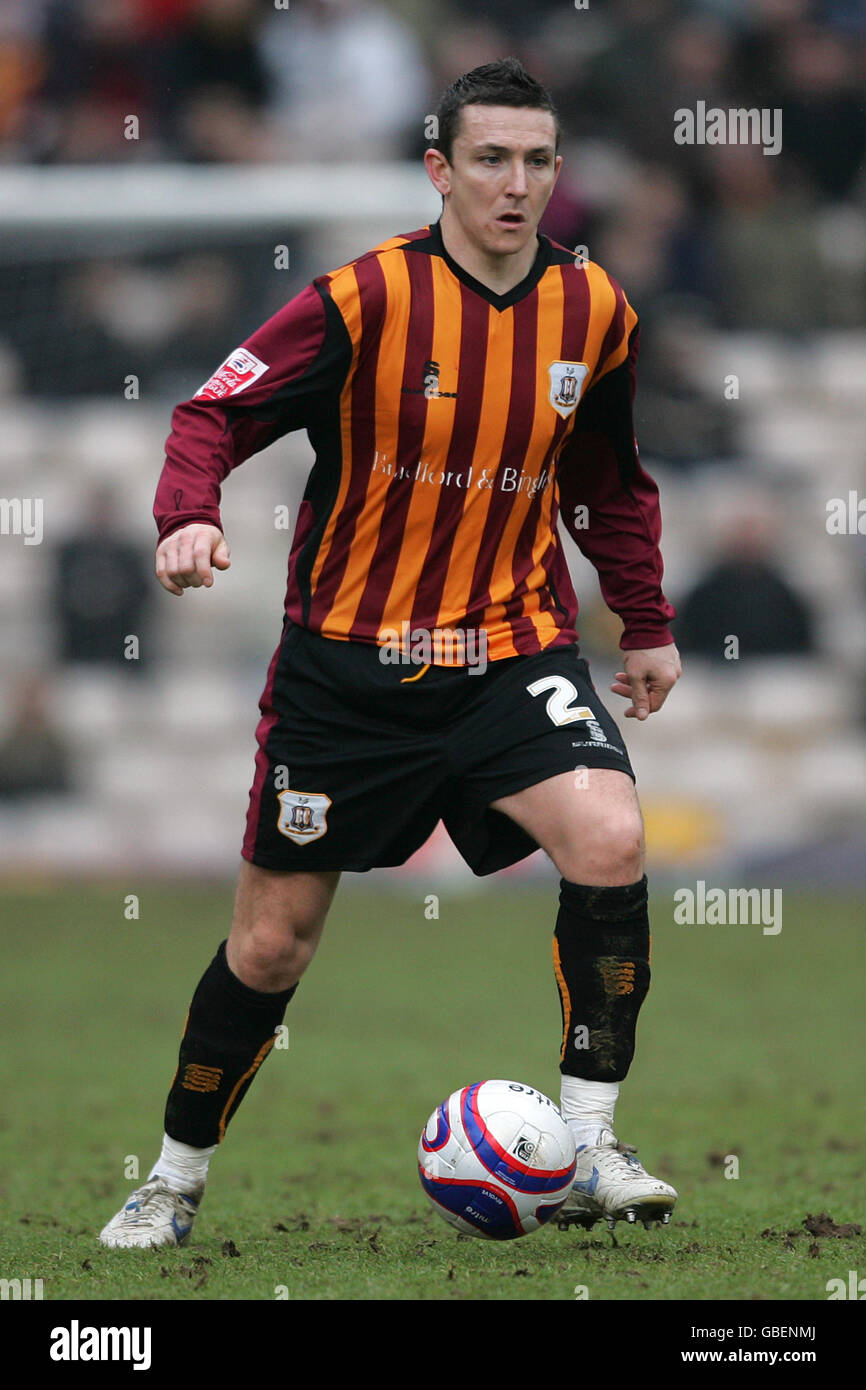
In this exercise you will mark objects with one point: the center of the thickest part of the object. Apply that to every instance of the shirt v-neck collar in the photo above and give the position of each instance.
(498, 301)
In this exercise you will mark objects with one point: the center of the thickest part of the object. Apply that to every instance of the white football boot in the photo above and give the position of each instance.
(609, 1182)
(155, 1214)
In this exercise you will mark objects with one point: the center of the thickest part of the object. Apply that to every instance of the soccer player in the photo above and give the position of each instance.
(463, 386)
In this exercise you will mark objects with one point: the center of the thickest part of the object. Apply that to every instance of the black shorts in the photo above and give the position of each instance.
(357, 762)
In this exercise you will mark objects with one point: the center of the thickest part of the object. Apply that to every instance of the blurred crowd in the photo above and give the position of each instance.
(726, 228)
(238, 80)
(702, 236)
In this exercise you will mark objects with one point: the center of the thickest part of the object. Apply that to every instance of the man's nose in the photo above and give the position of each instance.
(516, 183)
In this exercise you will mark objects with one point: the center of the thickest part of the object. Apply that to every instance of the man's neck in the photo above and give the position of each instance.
(498, 273)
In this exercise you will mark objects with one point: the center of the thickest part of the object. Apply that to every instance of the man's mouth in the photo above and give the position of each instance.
(512, 219)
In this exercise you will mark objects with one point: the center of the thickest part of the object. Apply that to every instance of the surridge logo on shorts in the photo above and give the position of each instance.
(303, 815)
(240, 369)
(566, 382)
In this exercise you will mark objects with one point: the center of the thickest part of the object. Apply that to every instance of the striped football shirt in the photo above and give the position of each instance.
(452, 427)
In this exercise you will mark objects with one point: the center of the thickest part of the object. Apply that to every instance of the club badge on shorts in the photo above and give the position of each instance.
(566, 381)
(303, 815)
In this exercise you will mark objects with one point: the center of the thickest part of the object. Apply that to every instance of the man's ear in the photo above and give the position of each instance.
(438, 170)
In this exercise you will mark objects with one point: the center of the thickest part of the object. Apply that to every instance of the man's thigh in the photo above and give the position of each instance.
(295, 901)
(588, 821)
(540, 727)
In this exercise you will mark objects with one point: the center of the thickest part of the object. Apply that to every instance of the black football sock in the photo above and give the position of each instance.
(601, 949)
(230, 1029)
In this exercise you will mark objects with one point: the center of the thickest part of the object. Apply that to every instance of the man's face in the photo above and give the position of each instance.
(501, 176)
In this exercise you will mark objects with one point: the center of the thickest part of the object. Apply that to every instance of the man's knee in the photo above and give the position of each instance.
(269, 960)
(609, 849)
(278, 921)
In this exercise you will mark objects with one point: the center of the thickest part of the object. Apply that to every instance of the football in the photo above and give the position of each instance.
(496, 1159)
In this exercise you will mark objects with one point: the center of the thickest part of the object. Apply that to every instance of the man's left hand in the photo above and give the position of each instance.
(648, 677)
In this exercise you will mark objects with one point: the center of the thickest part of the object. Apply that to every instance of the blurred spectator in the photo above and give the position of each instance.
(651, 242)
(22, 72)
(624, 97)
(102, 592)
(100, 70)
(744, 595)
(165, 320)
(765, 235)
(677, 420)
(217, 84)
(519, 20)
(34, 758)
(824, 112)
(350, 81)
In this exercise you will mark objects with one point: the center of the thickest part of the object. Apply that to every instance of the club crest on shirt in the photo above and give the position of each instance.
(303, 815)
(566, 381)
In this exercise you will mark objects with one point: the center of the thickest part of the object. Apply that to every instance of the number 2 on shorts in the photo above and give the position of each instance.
(559, 705)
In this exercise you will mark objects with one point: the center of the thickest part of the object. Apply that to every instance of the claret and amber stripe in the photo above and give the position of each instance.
(446, 507)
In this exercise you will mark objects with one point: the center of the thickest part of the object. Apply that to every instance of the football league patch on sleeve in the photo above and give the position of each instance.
(240, 369)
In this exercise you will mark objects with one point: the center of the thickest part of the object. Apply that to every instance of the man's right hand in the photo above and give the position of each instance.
(187, 558)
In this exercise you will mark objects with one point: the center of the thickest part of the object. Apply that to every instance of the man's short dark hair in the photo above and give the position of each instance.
(503, 83)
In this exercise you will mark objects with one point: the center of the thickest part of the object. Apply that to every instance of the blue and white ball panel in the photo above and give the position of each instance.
(438, 1130)
(477, 1209)
(512, 1148)
(496, 1159)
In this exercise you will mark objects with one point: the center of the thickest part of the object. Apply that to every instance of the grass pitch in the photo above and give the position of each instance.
(750, 1060)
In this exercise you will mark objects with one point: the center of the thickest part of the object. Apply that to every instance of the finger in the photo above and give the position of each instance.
(169, 584)
(187, 572)
(222, 555)
(201, 560)
(182, 565)
(640, 696)
(177, 567)
(162, 574)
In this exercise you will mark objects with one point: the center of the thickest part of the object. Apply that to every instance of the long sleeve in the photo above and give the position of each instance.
(610, 506)
(273, 383)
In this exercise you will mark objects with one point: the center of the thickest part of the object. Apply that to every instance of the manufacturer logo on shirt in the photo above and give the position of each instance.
(430, 389)
(566, 382)
(240, 370)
